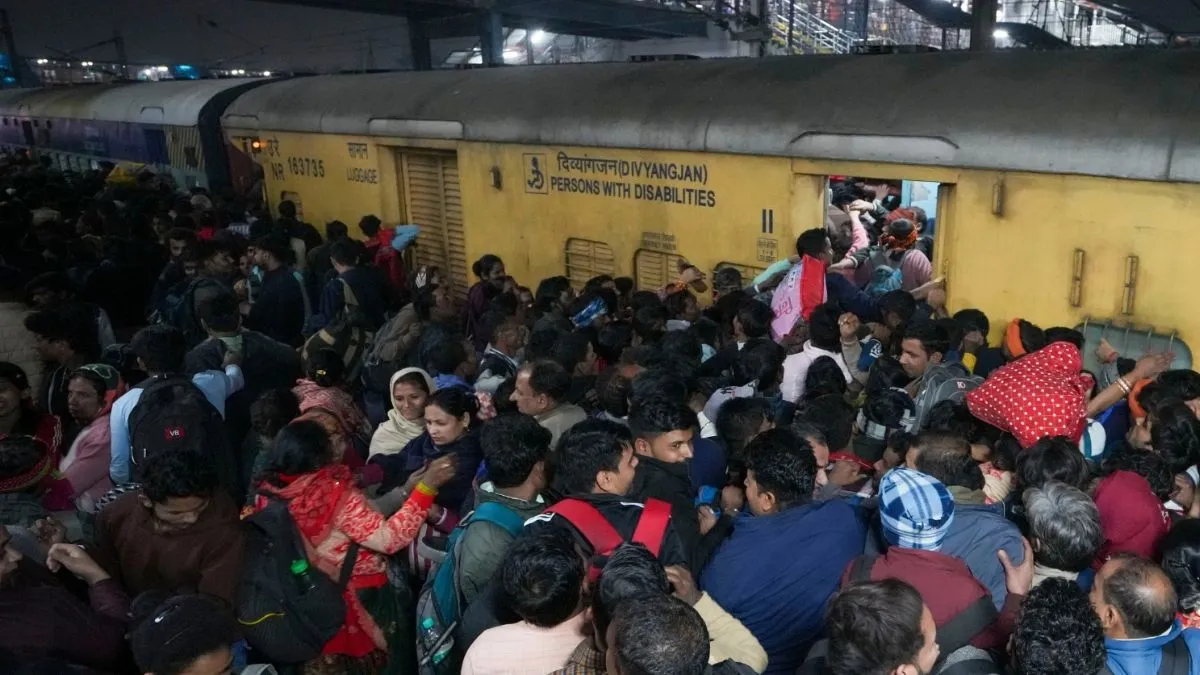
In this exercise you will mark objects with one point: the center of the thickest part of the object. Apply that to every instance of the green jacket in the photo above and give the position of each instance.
(484, 544)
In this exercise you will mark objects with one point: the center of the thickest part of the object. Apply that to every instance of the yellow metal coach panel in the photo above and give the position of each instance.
(544, 209)
(330, 177)
(1022, 262)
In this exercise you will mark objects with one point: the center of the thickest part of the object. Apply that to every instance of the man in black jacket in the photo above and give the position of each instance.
(281, 305)
(663, 430)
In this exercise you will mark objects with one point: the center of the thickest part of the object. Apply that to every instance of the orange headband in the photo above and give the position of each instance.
(1012, 338)
(1135, 407)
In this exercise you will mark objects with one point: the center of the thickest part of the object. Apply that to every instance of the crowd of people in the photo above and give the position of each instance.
(230, 443)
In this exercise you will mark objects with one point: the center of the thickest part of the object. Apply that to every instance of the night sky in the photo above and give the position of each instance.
(248, 34)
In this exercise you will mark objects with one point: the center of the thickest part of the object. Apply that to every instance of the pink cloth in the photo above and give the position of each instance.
(915, 270)
(85, 466)
(523, 649)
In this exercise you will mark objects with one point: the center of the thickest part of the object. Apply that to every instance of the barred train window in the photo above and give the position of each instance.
(586, 259)
(654, 269)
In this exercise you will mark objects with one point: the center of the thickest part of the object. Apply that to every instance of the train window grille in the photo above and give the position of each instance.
(586, 258)
(748, 272)
(191, 156)
(654, 269)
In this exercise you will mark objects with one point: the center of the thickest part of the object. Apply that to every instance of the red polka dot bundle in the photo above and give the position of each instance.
(1041, 394)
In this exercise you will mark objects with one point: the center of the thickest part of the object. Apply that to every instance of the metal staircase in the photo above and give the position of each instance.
(796, 30)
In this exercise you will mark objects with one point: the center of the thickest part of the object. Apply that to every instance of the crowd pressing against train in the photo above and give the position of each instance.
(724, 374)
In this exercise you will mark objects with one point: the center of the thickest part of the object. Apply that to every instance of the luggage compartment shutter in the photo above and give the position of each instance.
(434, 203)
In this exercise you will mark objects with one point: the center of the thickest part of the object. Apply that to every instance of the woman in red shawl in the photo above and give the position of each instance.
(23, 484)
(334, 515)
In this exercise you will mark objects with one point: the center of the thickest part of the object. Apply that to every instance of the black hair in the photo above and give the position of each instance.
(971, 320)
(631, 571)
(1058, 632)
(456, 401)
(485, 264)
(161, 348)
(512, 446)
(682, 345)
(1032, 337)
(415, 379)
(1132, 589)
(612, 392)
(287, 209)
(1181, 561)
(833, 416)
(1175, 434)
(182, 234)
(597, 282)
(19, 454)
(570, 350)
(549, 293)
(346, 252)
(760, 362)
(1148, 465)
(886, 373)
(874, 627)
(502, 398)
(326, 368)
(649, 322)
(739, 420)
(812, 242)
(278, 246)
(168, 638)
(888, 407)
(542, 577)
(947, 457)
(655, 416)
(336, 229)
(954, 332)
(73, 324)
(783, 465)
(273, 410)
(586, 449)
(220, 313)
(1064, 334)
(660, 635)
(932, 337)
(676, 303)
(369, 224)
(727, 279)
(54, 282)
(548, 378)
(954, 417)
(445, 356)
(661, 382)
(300, 447)
(823, 328)
(625, 285)
(1052, 458)
(541, 343)
(613, 339)
(824, 378)
(642, 299)
(178, 473)
(707, 332)
(1183, 384)
(900, 303)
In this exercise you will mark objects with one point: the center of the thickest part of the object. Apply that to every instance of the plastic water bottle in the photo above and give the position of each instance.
(303, 573)
(437, 651)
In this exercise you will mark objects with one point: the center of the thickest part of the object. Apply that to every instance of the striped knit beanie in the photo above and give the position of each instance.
(916, 509)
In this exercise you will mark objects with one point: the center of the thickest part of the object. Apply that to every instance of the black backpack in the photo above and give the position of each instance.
(173, 414)
(350, 334)
(286, 618)
(181, 310)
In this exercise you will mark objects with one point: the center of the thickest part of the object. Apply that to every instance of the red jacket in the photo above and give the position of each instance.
(947, 587)
(391, 263)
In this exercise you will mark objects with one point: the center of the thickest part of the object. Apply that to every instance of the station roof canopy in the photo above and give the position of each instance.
(1179, 17)
(614, 19)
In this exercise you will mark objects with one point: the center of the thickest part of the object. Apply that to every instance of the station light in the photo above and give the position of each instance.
(266, 73)
(42, 62)
(256, 145)
(538, 37)
(161, 69)
(1000, 33)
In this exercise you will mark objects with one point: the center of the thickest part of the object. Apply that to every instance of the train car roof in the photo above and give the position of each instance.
(177, 102)
(1119, 113)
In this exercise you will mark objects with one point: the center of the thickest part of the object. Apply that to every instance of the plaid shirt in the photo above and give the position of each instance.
(585, 660)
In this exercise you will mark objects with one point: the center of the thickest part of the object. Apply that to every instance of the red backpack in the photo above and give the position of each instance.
(604, 538)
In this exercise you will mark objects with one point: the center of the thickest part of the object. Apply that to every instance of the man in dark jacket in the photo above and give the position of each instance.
(266, 364)
(596, 464)
(362, 282)
(281, 306)
(778, 569)
(662, 438)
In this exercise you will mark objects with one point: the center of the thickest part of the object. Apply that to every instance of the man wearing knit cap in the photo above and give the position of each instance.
(916, 512)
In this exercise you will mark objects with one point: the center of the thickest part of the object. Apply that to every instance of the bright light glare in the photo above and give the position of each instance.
(42, 62)
(161, 69)
(511, 55)
(266, 73)
(1000, 33)
(538, 37)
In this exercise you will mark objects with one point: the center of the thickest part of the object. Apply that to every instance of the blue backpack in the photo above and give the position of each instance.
(440, 603)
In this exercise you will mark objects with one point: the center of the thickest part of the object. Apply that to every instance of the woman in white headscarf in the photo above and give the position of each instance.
(409, 389)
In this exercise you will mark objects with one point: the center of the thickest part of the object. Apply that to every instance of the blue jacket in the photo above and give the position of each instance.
(776, 573)
(1142, 657)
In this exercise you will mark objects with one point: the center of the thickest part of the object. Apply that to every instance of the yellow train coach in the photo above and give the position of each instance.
(1066, 183)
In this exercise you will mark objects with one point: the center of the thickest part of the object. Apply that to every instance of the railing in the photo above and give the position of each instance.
(798, 31)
